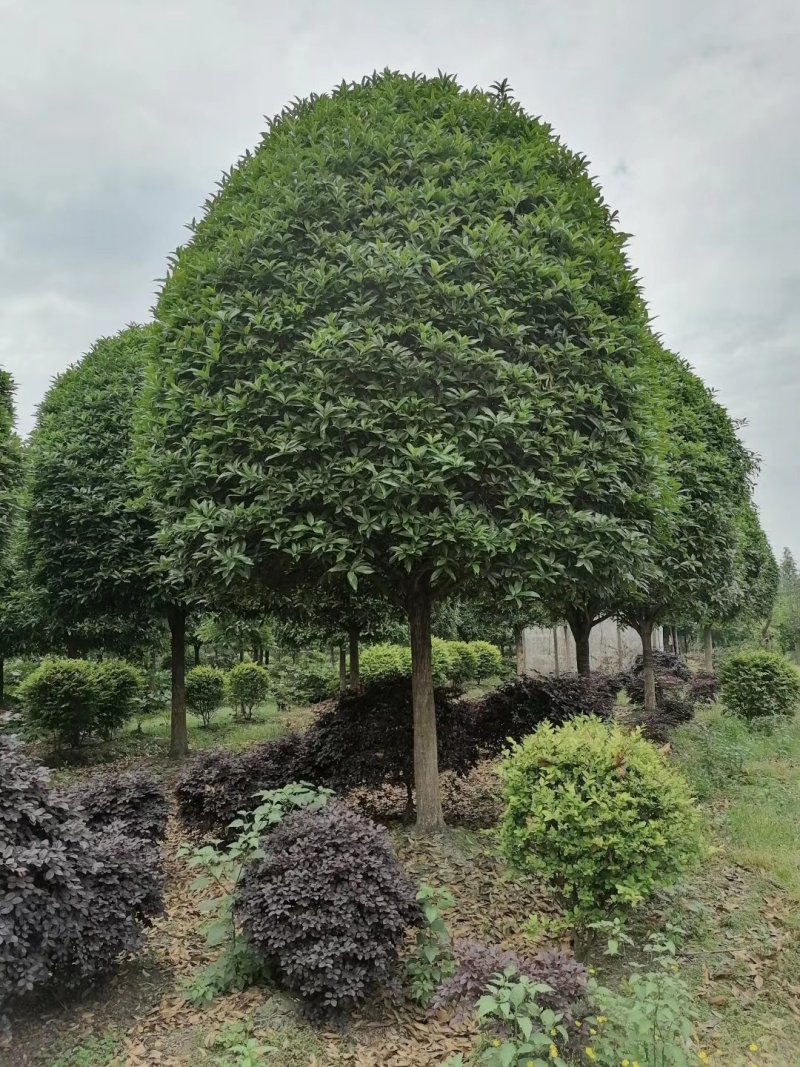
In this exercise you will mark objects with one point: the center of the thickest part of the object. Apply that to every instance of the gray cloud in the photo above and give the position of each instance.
(117, 119)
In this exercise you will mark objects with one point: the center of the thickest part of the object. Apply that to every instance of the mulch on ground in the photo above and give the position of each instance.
(144, 1003)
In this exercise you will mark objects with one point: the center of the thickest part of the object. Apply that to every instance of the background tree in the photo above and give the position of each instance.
(400, 345)
(89, 540)
(704, 482)
(786, 616)
(755, 581)
(10, 480)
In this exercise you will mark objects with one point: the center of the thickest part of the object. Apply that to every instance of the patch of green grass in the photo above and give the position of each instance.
(755, 771)
(282, 1042)
(746, 958)
(94, 1052)
(267, 724)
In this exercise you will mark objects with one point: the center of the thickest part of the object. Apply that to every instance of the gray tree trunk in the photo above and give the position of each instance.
(708, 649)
(178, 735)
(342, 669)
(426, 759)
(648, 669)
(355, 670)
(519, 651)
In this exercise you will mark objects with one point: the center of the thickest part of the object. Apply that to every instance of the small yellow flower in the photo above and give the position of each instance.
(553, 1052)
(703, 1056)
(635, 1063)
(578, 1023)
(753, 1048)
(592, 1031)
(626, 1063)
(601, 1019)
(590, 1053)
(529, 1063)
(553, 1032)
(496, 1043)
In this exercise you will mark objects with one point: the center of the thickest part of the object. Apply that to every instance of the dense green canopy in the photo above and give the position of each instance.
(10, 465)
(400, 343)
(88, 543)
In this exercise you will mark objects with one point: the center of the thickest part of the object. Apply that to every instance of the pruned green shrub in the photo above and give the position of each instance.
(759, 683)
(327, 908)
(60, 699)
(74, 898)
(120, 688)
(309, 680)
(597, 812)
(489, 660)
(248, 686)
(72, 699)
(453, 662)
(205, 691)
(385, 661)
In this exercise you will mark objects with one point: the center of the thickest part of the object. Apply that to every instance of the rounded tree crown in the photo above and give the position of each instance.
(88, 547)
(400, 342)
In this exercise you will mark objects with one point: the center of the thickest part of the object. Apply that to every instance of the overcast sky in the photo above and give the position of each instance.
(118, 116)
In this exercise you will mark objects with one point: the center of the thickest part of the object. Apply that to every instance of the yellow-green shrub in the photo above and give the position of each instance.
(599, 813)
(758, 683)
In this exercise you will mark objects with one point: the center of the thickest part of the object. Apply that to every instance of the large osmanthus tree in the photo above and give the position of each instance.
(399, 345)
(754, 581)
(89, 538)
(704, 482)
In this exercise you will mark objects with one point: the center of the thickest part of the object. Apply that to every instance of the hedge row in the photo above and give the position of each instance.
(366, 739)
(455, 662)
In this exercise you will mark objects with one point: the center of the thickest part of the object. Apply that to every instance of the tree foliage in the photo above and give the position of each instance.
(88, 545)
(10, 466)
(400, 344)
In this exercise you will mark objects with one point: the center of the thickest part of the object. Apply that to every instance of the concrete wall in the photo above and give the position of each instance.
(611, 648)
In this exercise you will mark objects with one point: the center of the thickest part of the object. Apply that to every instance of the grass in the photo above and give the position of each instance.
(746, 950)
(94, 1052)
(224, 730)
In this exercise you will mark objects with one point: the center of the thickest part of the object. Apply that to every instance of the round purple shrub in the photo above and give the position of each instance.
(327, 908)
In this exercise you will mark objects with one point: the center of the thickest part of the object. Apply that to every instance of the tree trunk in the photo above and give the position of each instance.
(241, 653)
(178, 737)
(342, 670)
(355, 670)
(708, 650)
(581, 628)
(648, 670)
(675, 644)
(519, 651)
(73, 652)
(196, 649)
(266, 657)
(426, 759)
(620, 661)
(2, 681)
(555, 651)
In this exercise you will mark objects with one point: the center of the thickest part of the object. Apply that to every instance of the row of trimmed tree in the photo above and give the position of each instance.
(403, 358)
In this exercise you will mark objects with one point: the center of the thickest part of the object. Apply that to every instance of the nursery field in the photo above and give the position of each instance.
(735, 921)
